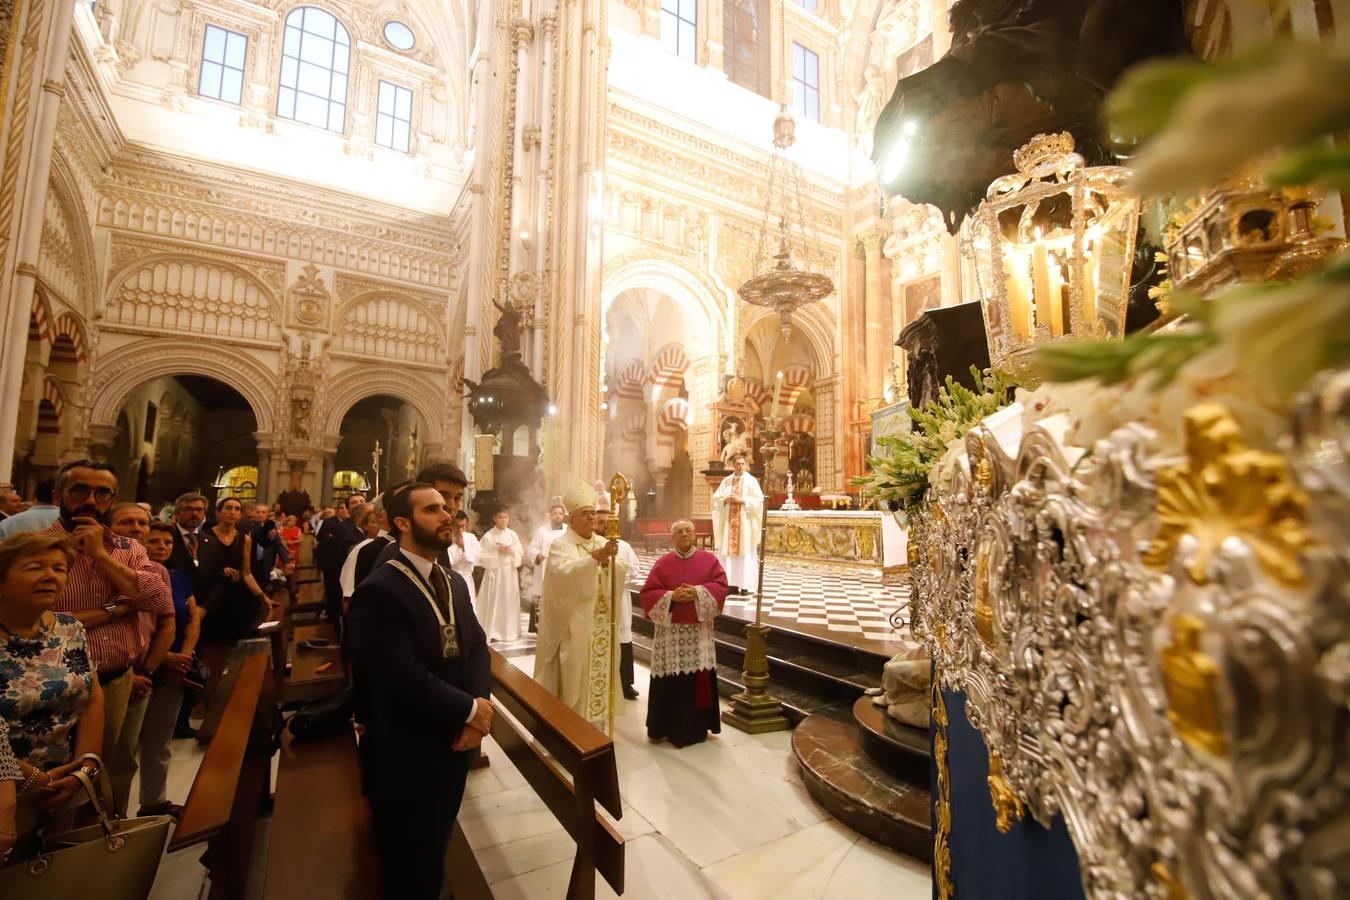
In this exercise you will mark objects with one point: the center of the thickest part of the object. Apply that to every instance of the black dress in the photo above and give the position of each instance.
(232, 612)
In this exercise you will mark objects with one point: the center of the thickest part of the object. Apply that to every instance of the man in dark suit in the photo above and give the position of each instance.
(422, 678)
(194, 545)
(334, 539)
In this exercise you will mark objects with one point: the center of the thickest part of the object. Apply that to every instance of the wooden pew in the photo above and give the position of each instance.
(233, 784)
(321, 843)
(577, 772)
(303, 680)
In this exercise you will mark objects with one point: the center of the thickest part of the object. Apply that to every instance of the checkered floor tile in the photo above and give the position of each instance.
(857, 604)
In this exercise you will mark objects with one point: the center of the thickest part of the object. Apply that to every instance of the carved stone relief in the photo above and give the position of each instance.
(308, 298)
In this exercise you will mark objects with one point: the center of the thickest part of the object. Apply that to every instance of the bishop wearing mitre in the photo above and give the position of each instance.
(577, 657)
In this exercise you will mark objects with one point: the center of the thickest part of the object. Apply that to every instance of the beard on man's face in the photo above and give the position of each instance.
(431, 537)
(85, 510)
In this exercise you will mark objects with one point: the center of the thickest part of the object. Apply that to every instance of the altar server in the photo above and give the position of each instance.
(464, 552)
(683, 594)
(738, 507)
(498, 604)
(575, 657)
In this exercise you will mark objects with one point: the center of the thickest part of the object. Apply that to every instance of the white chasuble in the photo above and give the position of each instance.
(577, 658)
(738, 508)
(498, 604)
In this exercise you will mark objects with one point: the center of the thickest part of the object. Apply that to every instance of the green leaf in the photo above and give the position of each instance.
(1323, 164)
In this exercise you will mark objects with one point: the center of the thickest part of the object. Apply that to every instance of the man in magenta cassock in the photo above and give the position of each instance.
(683, 595)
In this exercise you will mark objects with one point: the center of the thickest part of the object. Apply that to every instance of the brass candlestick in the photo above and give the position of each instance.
(753, 710)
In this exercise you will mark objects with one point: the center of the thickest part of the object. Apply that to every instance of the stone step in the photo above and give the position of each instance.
(891, 743)
(891, 809)
(797, 704)
(808, 666)
(790, 641)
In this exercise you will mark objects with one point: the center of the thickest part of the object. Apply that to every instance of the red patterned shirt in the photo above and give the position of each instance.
(114, 644)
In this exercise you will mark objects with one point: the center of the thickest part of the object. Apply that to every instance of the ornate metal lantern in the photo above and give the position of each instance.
(783, 287)
(1053, 247)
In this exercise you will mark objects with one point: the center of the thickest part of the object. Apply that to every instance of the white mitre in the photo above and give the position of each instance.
(581, 496)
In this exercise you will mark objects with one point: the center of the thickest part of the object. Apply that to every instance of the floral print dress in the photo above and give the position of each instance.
(45, 682)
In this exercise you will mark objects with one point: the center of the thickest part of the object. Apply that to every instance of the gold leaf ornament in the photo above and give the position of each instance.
(1226, 489)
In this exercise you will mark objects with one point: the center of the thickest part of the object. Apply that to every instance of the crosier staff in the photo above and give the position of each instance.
(618, 493)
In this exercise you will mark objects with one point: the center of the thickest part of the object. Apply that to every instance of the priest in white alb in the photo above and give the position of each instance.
(536, 555)
(498, 603)
(738, 506)
(577, 657)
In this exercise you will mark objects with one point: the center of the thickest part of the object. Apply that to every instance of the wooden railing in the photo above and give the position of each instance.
(233, 784)
(571, 766)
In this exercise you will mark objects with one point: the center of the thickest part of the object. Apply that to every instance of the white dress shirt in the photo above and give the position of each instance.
(423, 567)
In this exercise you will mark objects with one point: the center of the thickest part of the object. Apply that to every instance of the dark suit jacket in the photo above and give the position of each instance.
(413, 701)
(208, 560)
(369, 555)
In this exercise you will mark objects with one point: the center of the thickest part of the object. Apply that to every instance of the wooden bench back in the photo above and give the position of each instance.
(576, 772)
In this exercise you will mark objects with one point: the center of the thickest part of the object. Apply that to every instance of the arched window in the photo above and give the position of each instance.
(315, 59)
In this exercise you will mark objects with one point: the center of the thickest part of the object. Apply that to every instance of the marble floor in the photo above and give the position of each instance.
(725, 819)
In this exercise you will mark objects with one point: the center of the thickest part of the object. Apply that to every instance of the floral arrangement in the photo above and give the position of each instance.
(902, 474)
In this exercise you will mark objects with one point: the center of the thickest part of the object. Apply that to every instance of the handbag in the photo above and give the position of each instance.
(324, 717)
(117, 859)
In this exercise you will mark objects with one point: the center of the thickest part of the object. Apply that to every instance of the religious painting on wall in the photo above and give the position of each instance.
(921, 294)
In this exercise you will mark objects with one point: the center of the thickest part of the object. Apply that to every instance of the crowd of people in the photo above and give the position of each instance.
(115, 625)
(118, 625)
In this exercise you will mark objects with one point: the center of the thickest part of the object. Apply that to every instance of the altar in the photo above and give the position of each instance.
(844, 540)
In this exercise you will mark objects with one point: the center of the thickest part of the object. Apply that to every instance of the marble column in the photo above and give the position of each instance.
(876, 348)
(49, 40)
(702, 380)
(573, 437)
(325, 493)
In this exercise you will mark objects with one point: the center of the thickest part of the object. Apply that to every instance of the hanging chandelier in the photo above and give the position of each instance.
(779, 283)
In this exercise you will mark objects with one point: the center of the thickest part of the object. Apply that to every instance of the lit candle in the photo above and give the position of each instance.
(1089, 292)
(777, 394)
(1040, 280)
(1056, 301)
(1019, 292)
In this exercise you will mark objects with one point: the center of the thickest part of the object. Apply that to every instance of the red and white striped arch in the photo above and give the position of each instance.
(50, 408)
(629, 380)
(797, 381)
(757, 393)
(666, 374)
(634, 427)
(802, 423)
(68, 345)
(39, 321)
(673, 422)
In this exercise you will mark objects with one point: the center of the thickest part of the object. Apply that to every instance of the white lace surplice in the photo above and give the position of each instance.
(682, 649)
